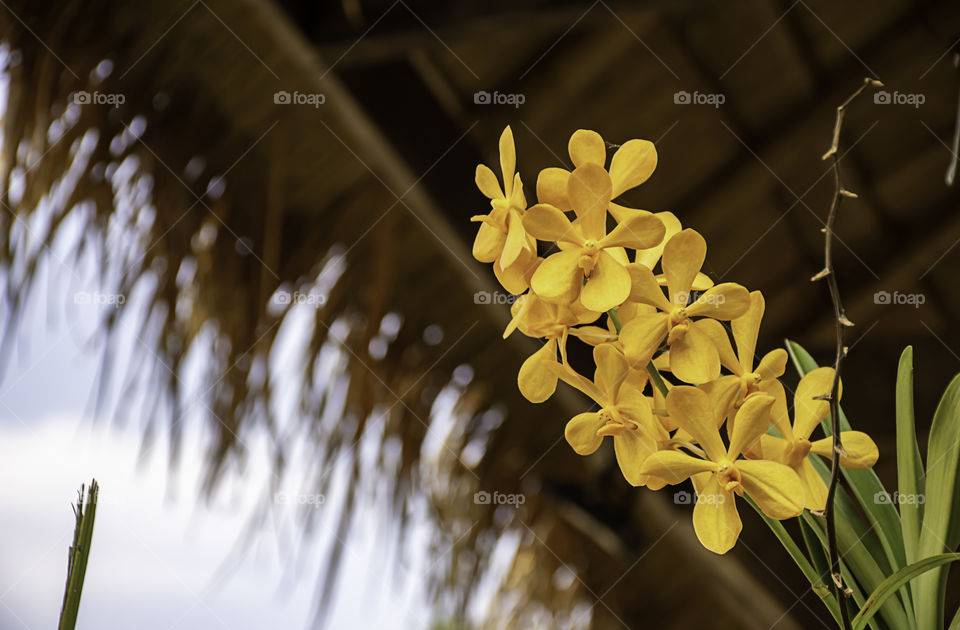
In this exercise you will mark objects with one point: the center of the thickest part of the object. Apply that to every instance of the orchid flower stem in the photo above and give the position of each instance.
(657, 379)
(652, 370)
(829, 274)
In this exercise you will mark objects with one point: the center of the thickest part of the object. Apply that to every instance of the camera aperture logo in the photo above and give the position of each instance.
(301, 499)
(98, 98)
(698, 98)
(896, 498)
(296, 298)
(299, 98)
(897, 298)
(497, 297)
(498, 98)
(899, 98)
(715, 300)
(691, 498)
(482, 497)
(100, 299)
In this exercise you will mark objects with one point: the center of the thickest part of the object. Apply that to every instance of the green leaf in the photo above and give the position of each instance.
(79, 554)
(814, 536)
(909, 465)
(955, 624)
(864, 484)
(816, 583)
(861, 551)
(938, 534)
(890, 585)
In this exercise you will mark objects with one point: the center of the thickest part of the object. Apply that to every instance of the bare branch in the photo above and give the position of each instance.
(842, 322)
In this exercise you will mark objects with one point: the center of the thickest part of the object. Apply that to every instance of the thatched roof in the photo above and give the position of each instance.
(379, 177)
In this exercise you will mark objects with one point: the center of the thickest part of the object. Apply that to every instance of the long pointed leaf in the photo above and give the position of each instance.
(860, 550)
(821, 589)
(909, 466)
(900, 578)
(815, 537)
(937, 534)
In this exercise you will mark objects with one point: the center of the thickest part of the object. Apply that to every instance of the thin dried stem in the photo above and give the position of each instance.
(842, 322)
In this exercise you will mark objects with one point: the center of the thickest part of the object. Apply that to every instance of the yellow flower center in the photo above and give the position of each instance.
(728, 475)
(588, 256)
(614, 423)
(677, 332)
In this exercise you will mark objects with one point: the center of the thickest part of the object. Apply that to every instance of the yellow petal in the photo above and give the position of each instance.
(702, 282)
(642, 335)
(674, 466)
(589, 192)
(487, 183)
(774, 486)
(558, 277)
(644, 287)
(536, 380)
(723, 301)
(581, 433)
(641, 230)
(773, 364)
(552, 187)
(774, 448)
(752, 421)
(608, 285)
(650, 257)
(632, 164)
(693, 357)
(814, 489)
(683, 257)
(861, 450)
(517, 198)
(548, 223)
(635, 407)
(489, 243)
(779, 414)
(593, 335)
(516, 278)
(809, 412)
(619, 254)
(611, 369)
(715, 518)
(508, 159)
(587, 146)
(633, 447)
(722, 393)
(745, 329)
(718, 335)
(516, 239)
(691, 410)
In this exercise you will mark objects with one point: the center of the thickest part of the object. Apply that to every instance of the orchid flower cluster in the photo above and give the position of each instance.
(637, 294)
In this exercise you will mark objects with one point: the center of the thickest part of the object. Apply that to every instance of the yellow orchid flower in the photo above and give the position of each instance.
(650, 257)
(501, 239)
(536, 318)
(792, 449)
(775, 487)
(625, 414)
(747, 380)
(593, 268)
(694, 357)
(631, 165)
